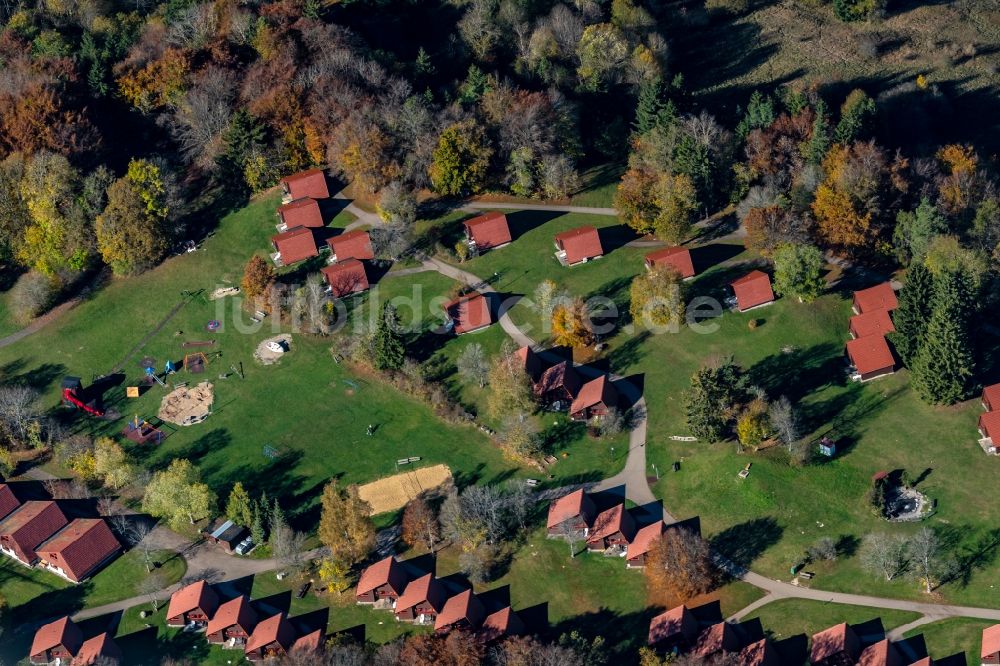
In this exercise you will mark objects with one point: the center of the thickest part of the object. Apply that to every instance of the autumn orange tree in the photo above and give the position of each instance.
(258, 276)
(345, 525)
(678, 568)
(420, 523)
(958, 182)
(571, 324)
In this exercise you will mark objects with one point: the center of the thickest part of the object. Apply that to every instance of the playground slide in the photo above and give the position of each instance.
(70, 396)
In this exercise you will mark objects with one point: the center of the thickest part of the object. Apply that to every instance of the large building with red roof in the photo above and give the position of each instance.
(272, 638)
(356, 244)
(422, 600)
(530, 362)
(560, 383)
(101, 648)
(8, 501)
(469, 313)
(346, 277)
(56, 641)
(386, 579)
(293, 246)
(192, 604)
(28, 527)
(504, 622)
(880, 297)
(674, 629)
(881, 653)
(677, 259)
(645, 537)
(991, 397)
(233, 623)
(989, 651)
(613, 529)
(300, 213)
(462, 611)
(873, 322)
(78, 550)
(753, 290)
(760, 653)
(487, 232)
(871, 357)
(836, 646)
(989, 431)
(579, 245)
(310, 183)
(576, 508)
(594, 400)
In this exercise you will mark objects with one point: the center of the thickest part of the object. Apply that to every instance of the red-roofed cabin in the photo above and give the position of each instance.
(100, 647)
(577, 509)
(504, 622)
(761, 653)
(594, 400)
(989, 430)
(718, 638)
(422, 600)
(232, 623)
(355, 244)
(78, 550)
(880, 297)
(311, 183)
(836, 646)
(272, 638)
(27, 527)
(386, 579)
(293, 246)
(645, 537)
(530, 362)
(300, 213)
(309, 643)
(871, 357)
(874, 322)
(192, 604)
(8, 501)
(462, 611)
(991, 398)
(613, 529)
(676, 628)
(346, 277)
(469, 313)
(753, 290)
(488, 231)
(677, 259)
(560, 383)
(880, 654)
(59, 640)
(579, 245)
(989, 653)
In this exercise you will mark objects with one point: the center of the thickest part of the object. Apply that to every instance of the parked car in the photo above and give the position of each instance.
(244, 547)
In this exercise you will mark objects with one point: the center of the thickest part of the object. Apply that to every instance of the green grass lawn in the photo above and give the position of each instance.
(7, 323)
(790, 617)
(598, 186)
(950, 637)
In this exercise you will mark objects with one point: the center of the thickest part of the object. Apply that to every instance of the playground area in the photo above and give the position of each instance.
(187, 406)
(393, 492)
(272, 350)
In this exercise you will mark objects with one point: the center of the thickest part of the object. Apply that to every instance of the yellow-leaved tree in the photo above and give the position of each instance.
(571, 325)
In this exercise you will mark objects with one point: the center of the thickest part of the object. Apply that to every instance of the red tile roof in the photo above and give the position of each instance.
(991, 641)
(752, 289)
(301, 213)
(991, 396)
(426, 588)
(721, 637)
(833, 641)
(504, 622)
(580, 243)
(677, 621)
(879, 297)
(355, 244)
(295, 245)
(188, 598)
(79, 547)
(761, 653)
(560, 375)
(532, 364)
(644, 539)
(346, 277)
(989, 423)
(873, 322)
(32, 524)
(384, 572)
(489, 230)
(101, 645)
(463, 607)
(275, 629)
(61, 632)
(596, 391)
(570, 506)
(870, 354)
(880, 654)
(610, 521)
(233, 612)
(469, 313)
(312, 641)
(311, 183)
(8, 501)
(677, 258)
(926, 661)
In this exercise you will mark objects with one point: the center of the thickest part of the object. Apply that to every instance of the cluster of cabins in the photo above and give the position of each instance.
(62, 643)
(560, 387)
(868, 351)
(421, 598)
(236, 624)
(687, 630)
(613, 531)
(38, 534)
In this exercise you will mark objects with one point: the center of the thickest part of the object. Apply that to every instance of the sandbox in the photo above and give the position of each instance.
(393, 492)
(187, 406)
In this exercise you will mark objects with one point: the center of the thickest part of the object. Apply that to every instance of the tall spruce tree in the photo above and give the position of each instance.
(653, 110)
(943, 368)
(911, 317)
(819, 143)
(388, 348)
(715, 391)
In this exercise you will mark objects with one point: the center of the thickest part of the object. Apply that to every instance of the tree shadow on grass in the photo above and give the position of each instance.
(706, 257)
(523, 221)
(800, 371)
(623, 633)
(745, 542)
(616, 236)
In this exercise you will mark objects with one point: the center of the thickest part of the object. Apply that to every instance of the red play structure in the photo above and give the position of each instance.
(72, 388)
